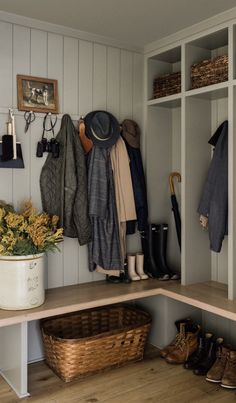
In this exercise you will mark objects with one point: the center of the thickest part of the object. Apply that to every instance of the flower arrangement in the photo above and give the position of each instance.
(27, 232)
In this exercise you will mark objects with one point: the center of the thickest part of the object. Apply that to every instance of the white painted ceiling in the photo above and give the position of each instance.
(135, 22)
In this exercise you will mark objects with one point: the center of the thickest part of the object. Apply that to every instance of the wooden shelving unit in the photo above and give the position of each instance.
(178, 128)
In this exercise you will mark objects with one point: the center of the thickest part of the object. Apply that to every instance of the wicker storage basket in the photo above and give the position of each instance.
(167, 85)
(86, 342)
(209, 72)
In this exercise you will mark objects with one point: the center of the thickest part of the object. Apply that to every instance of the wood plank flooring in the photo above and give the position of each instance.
(149, 381)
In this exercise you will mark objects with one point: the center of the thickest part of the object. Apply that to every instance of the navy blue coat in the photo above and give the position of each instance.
(139, 187)
(214, 200)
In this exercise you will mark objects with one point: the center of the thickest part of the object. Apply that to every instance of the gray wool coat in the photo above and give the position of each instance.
(214, 199)
(63, 184)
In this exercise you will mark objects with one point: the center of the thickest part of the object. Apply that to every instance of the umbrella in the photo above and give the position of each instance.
(175, 207)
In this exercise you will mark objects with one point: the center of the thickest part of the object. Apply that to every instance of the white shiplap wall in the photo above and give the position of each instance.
(90, 76)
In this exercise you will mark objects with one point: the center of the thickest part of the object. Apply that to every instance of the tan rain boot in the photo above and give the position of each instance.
(139, 266)
(187, 344)
(229, 377)
(131, 268)
(215, 374)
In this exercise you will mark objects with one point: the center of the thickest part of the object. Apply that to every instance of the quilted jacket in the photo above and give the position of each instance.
(63, 184)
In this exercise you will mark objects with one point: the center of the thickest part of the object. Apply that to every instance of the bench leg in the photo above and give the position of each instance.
(14, 357)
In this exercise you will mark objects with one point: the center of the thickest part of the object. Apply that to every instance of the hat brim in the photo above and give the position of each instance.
(102, 143)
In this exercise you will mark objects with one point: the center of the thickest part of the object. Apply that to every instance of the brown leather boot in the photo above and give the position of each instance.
(180, 327)
(229, 377)
(186, 346)
(215, 374)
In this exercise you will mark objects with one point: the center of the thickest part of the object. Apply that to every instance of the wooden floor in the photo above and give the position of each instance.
(149, 381)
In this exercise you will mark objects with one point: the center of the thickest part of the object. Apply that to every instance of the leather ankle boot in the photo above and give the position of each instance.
(207, 362)
(199, 354)
(160, 234)
(166, 350)
(229, 377)
(186, 346)
(150, 266)
(216, 372)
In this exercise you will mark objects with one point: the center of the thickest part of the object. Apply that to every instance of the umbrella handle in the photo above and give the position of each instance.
(171, 181)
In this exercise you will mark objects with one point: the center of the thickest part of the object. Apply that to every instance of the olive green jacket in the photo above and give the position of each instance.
(63, 184)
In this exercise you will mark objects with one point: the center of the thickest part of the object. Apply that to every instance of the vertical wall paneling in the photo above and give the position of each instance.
(6, 64)
(21, 55)
(138, 88)
(113, 81)
(71, 66)
(38, 53)
(126, 85)
(71, 257)
(21, 65)
(55, 63)
(90, 76)
(5, 173)
(38, 62)
(85, 77)
(35, 163)
(5, 98)
(21, 177)
(99, 77)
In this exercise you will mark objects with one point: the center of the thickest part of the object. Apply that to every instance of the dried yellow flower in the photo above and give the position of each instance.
(2, 213)
(29, 232)
(13, 220)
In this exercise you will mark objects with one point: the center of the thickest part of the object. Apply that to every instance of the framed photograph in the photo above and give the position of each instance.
(37, 94)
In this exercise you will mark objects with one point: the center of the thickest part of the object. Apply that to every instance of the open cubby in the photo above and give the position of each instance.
(203, 116)
(164, 156)
(203, 48)
(163, 63)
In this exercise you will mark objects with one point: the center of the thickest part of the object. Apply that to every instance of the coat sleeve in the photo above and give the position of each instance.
(80, 207)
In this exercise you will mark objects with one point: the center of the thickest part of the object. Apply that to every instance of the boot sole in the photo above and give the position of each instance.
(212, 380)
(228, 387)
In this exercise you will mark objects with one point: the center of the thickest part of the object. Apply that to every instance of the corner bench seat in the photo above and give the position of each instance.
(210, 296)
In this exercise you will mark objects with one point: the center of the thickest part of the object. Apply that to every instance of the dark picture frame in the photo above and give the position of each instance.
(37, 94)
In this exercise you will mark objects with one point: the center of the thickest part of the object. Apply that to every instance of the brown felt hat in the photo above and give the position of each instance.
(131, 132)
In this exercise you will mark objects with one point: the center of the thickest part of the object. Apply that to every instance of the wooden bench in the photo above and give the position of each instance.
(210, 296)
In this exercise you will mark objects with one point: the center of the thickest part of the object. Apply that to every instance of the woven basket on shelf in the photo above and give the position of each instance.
(167, 84)
(208, 72)
(86, 342)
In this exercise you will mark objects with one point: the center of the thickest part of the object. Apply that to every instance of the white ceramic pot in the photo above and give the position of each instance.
(21, 281)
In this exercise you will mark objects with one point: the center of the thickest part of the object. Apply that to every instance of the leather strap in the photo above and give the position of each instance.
(87, 144)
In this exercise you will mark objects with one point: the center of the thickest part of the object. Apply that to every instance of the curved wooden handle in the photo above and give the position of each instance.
(171, 181)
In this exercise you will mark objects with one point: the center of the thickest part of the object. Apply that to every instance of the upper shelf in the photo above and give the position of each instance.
(215, 91)
(171, 101)
(210, 296)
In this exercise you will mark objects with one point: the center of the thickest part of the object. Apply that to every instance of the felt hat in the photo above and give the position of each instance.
(131, 132)
(102, 128)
